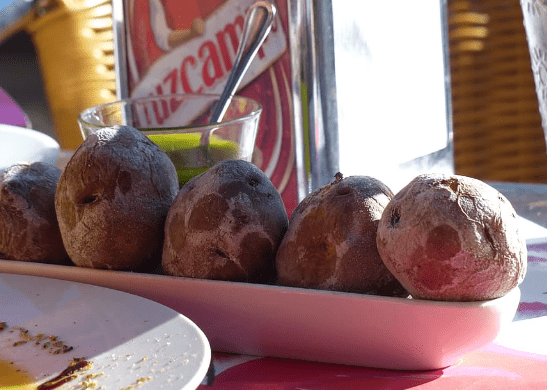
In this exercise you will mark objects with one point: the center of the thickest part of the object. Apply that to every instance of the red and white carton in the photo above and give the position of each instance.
(174, 46)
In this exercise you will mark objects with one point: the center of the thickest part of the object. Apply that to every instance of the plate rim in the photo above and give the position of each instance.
(197, 376)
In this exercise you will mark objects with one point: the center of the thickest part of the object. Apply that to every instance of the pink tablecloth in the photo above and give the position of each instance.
(516, 360)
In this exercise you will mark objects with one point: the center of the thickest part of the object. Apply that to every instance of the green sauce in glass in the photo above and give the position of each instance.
(189, 157)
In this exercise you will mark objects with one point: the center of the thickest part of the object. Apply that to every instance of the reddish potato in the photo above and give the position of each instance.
(331, 240)
(452, 238)
(226, 224)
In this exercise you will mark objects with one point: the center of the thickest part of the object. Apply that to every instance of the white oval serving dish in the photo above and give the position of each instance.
(333, 327)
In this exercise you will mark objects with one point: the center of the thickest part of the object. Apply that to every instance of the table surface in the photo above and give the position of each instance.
(517, 359)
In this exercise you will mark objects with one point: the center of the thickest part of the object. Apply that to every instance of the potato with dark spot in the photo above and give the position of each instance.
(453, 238)
(113, 198)
(331, 240)
(225, 224)
(28, 224)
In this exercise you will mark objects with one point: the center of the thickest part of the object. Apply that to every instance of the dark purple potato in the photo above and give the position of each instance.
(28, 224)
(225, 224)
(113, 198)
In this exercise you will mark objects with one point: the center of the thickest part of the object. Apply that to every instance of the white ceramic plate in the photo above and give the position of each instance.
(18, 144)
(312, 325)
(128, 339)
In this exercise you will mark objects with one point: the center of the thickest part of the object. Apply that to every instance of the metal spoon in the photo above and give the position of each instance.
(258, 23)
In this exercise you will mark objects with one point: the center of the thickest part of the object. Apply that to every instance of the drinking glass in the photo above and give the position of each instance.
(179, 124)
(535, 23)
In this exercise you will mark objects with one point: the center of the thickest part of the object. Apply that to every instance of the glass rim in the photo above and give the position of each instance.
(254, 113)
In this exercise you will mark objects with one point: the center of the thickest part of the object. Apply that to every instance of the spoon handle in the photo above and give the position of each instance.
(258, 22)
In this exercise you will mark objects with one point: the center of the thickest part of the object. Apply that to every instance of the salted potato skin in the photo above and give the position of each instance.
(112, 200)
(331, 240)
(225, 224)
(29, 230)
(452, 238)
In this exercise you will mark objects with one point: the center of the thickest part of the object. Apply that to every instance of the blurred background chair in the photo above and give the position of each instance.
(496, 122)
(75, 52)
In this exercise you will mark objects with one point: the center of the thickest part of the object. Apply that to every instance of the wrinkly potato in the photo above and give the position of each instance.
(331, 240)
(112, 200)
(225, 224)
(29, 230)
(450, 237)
